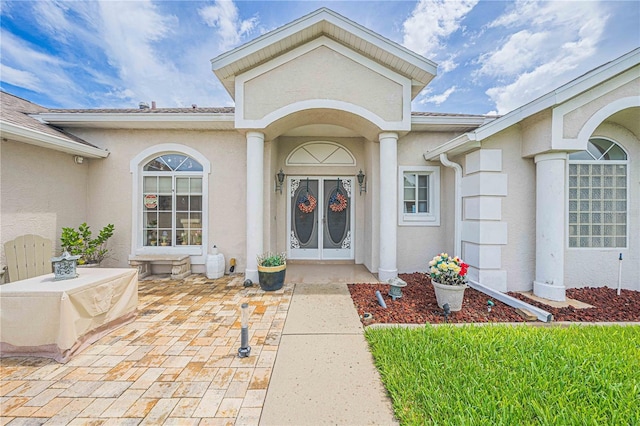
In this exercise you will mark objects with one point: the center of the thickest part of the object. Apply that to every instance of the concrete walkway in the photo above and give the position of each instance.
(324, 372)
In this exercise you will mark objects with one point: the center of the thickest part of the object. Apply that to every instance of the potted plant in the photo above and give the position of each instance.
(272, 268)
(92, 251)
(449, 279)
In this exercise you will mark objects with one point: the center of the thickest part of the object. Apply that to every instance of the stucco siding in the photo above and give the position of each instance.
(536, 134)
(42, 191)
(575, 120)
(111, 186)
(518, 208)
(593, 267)
(322, 74)
(418, 244)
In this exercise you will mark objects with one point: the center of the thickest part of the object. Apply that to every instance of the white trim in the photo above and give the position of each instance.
(241, 122)
(562, 94)
(321, 253)
(415, 219)
(602, 114)
(287, 162)
(559, 142)
(44, 140)
(273, 37)
(140, 120)
(322, 104)
(198, 254)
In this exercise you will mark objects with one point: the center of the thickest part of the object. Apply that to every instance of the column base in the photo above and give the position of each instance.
(250, 274)
(386, 274)
(550, 291)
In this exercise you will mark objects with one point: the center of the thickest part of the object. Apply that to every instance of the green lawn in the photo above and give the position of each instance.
(507, 375)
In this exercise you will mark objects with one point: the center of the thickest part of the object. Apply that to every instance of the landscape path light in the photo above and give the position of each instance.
(245, 349)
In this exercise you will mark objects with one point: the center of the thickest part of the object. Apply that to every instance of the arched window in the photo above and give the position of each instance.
(598, 196)
(170, 201)
(172, 208)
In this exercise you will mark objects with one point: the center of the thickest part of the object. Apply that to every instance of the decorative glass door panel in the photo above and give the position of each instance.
(320, 218)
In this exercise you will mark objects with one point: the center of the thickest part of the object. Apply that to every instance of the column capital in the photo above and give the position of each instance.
(550, 156)
(255, 134)
(388, 135)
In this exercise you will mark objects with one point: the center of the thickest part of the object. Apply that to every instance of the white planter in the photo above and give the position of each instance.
(451, 294)
(215, 265)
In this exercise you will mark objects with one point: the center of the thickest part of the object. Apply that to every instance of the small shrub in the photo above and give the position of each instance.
(79, 242)
(272, 259)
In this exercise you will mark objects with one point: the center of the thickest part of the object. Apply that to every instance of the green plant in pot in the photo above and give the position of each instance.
(272, 268)
(81, 242)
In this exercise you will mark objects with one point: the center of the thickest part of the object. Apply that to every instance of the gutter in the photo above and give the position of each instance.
(44, 140)
(542, 315)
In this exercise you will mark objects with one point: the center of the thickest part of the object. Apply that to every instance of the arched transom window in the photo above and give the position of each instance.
(172, 206)
(598, 196)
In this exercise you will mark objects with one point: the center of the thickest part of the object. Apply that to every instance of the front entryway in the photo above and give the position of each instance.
(320, 218)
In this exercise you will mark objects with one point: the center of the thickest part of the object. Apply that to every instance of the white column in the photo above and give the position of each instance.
(255, 202)
(388, 205)
(550, 225)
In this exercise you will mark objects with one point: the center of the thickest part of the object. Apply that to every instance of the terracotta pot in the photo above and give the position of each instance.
(271, 278)
(451, 294)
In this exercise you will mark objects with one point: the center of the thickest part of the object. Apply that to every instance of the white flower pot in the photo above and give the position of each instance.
(451, 294)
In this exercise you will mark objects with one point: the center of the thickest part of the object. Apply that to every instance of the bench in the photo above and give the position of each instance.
(180, 264)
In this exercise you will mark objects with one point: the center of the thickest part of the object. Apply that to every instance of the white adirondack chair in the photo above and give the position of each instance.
(28, 256)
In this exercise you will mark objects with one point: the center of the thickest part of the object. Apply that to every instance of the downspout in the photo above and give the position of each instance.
(457, 204)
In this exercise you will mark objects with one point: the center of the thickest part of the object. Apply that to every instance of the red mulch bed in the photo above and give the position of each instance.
(418, 305)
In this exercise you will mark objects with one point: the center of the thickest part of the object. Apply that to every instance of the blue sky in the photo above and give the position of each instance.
(493, 56)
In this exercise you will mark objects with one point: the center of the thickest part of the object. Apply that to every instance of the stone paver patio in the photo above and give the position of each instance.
(175, 364)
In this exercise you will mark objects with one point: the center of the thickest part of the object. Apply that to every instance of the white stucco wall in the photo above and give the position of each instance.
(575, 119)
(110, 186)
(519, 206)
(41, 192)
(594, 267)
(322, 74)
(535, 134)
(418, 244)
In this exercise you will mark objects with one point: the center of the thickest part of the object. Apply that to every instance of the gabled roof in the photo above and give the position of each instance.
(17, 123)
(597, 76)
(328, 23)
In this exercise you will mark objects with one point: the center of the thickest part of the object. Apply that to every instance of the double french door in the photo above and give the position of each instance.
(320, 218)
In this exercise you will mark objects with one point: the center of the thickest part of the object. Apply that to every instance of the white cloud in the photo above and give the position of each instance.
(23, 64)
(521, 50)
(447, 65)
(51, 17)
(431, 22)
(553, 41)
(223, 16)
(20, 78)
(438, 99)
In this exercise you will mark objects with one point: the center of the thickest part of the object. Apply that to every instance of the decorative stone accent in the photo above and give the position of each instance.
(395, 287)
(180, 264)
(64, 267)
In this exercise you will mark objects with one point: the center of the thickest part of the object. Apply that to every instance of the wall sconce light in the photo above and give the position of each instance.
(279, 181)
(78, 159)
(362, 182)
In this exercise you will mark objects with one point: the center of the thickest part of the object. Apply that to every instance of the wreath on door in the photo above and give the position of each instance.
(307, 203)
(337, 202)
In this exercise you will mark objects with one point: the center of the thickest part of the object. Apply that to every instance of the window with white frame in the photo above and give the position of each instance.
(172, 204)
(598, 196)
(419, 195)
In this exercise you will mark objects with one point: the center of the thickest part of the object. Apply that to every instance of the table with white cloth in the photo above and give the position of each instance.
(57, 319)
